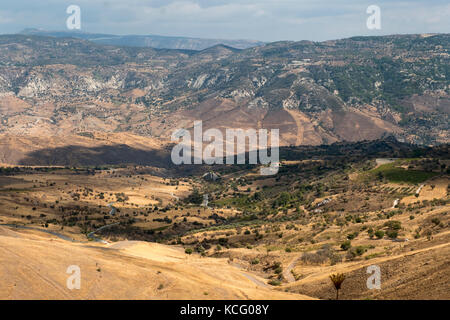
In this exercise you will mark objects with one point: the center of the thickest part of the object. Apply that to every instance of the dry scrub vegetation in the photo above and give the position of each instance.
(268, 237)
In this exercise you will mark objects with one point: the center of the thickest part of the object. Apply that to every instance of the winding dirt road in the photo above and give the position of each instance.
(287, 272)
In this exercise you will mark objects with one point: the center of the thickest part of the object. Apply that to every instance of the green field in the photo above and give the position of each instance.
(399, 175)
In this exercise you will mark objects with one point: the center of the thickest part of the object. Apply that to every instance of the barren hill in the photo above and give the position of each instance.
(33, 266)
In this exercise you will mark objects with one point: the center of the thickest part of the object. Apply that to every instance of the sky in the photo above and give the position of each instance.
(264, 20)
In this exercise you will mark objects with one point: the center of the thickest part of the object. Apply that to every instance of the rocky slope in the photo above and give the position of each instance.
(361, 88)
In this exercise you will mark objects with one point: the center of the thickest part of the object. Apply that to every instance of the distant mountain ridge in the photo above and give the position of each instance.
(146, 41)
(362, 88)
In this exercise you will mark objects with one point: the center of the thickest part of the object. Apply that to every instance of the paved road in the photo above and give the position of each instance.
(255, 281)
(91, 234)
(249, 277)
(56, 234)
(61, 236)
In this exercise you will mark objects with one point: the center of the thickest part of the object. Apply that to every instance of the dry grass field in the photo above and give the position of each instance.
(33, 266)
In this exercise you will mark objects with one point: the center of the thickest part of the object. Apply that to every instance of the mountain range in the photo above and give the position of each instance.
(153, 41)
(363, 88)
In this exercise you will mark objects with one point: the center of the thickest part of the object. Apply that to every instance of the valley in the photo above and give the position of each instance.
(328, 210)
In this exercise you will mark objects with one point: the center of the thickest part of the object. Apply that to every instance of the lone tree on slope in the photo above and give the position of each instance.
(337, 280)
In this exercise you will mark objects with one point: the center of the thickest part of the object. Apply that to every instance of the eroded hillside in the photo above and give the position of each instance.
(344, 90)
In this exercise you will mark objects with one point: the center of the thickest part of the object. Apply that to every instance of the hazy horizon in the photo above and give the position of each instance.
(225, 39)
(267, 20)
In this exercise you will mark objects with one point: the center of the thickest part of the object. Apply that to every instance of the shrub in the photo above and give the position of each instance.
(314, 257)
(322, 255)
(335, 258)
(275, 282)
(346, 245)
(436, 221)
(392, 234)
(379, 234)
(393, 225)
(188, 251)
(200, 248)
(356, 251)
(360, 250)
(276, 265)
